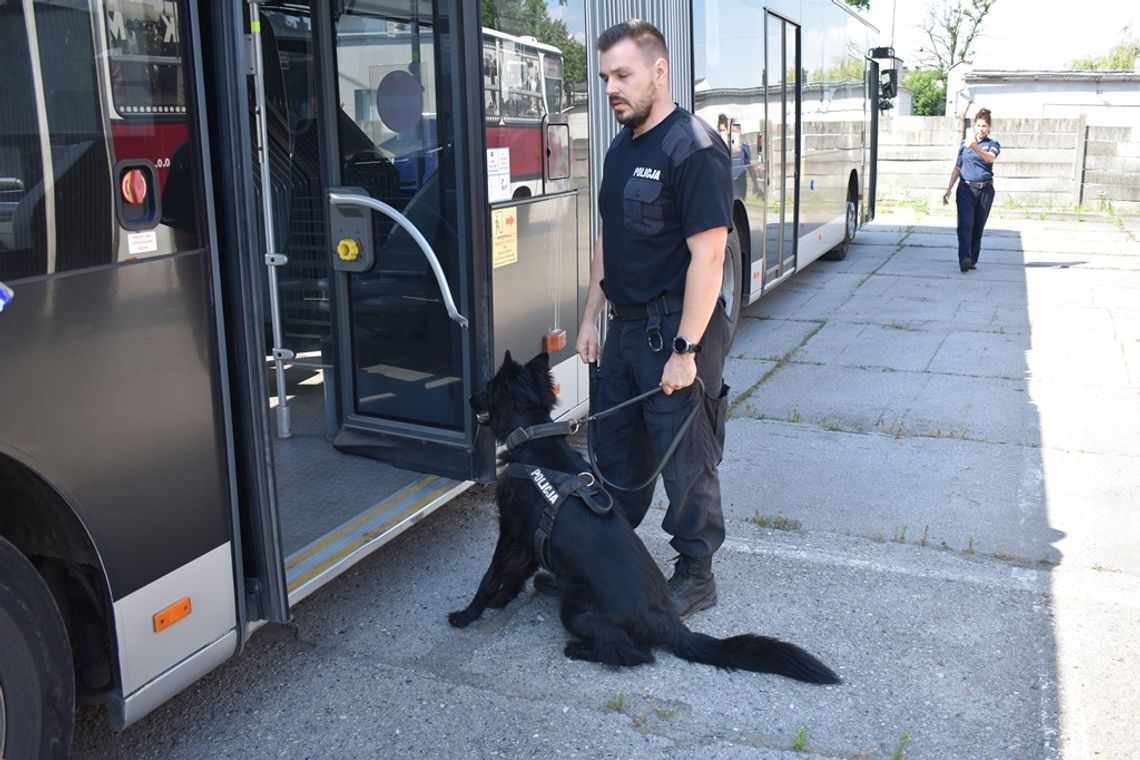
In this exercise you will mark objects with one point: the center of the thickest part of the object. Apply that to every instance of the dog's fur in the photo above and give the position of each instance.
(615, 601)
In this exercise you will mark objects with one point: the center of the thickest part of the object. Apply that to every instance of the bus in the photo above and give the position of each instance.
(255, 258)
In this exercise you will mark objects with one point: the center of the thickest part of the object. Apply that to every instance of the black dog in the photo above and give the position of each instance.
(615, 601)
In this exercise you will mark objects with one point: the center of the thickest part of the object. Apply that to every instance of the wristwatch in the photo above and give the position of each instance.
(682, 345)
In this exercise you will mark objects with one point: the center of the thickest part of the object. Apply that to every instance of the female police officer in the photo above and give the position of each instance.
(975, 191)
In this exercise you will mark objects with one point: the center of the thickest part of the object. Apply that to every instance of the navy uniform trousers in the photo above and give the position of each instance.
(973, 211)
(631, 443)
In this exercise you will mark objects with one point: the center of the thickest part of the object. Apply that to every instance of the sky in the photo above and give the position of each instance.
(1019, 34)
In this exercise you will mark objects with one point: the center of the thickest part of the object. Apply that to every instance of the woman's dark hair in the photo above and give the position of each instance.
(645, 35)
(984, 114)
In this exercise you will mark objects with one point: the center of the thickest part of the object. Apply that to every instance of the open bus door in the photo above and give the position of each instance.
(403, 215)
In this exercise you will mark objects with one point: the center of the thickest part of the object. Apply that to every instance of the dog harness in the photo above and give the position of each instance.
(555, 486)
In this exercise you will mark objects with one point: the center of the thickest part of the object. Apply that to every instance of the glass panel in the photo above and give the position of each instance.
(534, 66)
(791, 128)
(79, 112)
(407, 353)
(777, 173)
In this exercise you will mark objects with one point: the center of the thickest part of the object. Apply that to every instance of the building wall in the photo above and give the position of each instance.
(1044, 163)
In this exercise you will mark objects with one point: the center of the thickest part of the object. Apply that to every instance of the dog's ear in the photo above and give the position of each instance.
(507, 357)
(541, 362)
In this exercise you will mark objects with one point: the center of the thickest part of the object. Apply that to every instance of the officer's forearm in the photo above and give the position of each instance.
(703, 281)
(953, 179)
(595, 296)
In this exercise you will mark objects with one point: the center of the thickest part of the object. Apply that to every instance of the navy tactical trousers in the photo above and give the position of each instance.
(973, 210)
(631, 443)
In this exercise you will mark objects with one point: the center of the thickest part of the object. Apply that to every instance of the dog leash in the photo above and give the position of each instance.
(700, 391)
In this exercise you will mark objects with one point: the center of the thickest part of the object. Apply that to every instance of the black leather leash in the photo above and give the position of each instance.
(700, 391)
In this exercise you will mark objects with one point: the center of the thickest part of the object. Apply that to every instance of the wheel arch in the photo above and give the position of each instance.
(40, 520)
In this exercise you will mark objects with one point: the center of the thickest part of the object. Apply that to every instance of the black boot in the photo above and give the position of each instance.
(693, 585)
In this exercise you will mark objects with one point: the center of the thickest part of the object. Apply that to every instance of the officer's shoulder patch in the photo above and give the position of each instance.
(687, 136)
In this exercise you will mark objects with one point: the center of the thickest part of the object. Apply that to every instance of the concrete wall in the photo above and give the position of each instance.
(1044, 162)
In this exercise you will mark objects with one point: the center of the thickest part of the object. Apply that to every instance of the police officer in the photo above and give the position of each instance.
(976, 190)
(665, 205)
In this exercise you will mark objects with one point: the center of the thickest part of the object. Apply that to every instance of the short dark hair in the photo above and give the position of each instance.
(984, 114)
(645, 35)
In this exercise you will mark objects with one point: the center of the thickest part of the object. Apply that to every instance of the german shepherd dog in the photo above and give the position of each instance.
(614, 600)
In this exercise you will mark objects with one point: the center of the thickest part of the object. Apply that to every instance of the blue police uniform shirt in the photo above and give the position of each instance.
(972, 167)
(658, 189)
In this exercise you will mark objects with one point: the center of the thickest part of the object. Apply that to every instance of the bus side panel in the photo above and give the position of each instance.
(110, 392)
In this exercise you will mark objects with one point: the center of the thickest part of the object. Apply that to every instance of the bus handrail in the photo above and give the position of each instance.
(425, 247)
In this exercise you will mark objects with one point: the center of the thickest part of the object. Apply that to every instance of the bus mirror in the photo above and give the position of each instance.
(888, 84)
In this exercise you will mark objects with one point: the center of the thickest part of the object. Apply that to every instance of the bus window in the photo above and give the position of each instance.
(149, 118)
(94, 160)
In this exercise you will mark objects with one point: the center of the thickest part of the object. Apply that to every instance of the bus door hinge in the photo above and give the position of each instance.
(276, 259)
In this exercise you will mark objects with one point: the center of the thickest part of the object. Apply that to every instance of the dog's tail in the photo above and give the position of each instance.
(748, 651)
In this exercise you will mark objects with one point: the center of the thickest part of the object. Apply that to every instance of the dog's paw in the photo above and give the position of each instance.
(580, 650)
(462, 618)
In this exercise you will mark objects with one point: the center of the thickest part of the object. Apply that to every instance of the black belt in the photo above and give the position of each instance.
(666, 304)
(978, 185)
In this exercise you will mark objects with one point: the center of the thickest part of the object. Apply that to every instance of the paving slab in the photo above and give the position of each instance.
(930, 482)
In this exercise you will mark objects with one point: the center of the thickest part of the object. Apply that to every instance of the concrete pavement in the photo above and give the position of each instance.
(931, 482)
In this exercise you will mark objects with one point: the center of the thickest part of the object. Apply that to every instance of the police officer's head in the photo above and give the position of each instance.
(635, 67)
(982, 124)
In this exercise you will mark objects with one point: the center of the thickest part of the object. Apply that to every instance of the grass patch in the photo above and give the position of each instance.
(900, 750)
(779, 522)
(800, 742)
(617, 702)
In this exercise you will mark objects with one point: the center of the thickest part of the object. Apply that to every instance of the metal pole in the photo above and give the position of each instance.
(272, 258)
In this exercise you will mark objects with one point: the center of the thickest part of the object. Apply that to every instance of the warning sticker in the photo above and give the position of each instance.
(142, 242)
(504, 236)
(498, 174)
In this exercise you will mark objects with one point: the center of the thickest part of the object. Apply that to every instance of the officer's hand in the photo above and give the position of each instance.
(680, 372)
(588, 344)
(946, 198)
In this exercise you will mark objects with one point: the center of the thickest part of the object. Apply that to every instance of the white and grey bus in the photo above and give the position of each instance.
(255, 257)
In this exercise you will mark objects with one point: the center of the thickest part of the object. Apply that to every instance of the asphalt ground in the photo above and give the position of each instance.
(931, 482)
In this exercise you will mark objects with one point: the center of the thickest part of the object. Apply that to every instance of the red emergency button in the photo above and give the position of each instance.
(134, 186)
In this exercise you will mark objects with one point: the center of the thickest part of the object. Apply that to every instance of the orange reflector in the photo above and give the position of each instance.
(134, 186)
(555, 340)
(172, 614)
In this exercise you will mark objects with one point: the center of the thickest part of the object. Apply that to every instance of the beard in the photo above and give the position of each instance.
(639, 109)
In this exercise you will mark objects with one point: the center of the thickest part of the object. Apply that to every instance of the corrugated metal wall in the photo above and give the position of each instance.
(674, 19)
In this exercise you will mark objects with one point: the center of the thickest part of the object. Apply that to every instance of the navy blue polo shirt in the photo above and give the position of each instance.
(657, 190)
(972, 167)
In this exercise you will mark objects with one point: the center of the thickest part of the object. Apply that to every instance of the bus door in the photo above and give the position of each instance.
(783, 154)
(402, 197)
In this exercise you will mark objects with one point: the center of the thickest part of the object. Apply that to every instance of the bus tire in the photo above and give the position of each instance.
(851, 223)
(37, 680)
(732, 283)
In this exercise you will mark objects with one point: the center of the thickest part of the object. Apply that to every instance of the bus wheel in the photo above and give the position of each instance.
(37, 683)
(839, 252)
(730, 286)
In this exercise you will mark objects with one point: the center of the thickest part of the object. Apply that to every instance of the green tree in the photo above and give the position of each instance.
(1122, 57)
(864, 4)
(929, 88)
(951, 28)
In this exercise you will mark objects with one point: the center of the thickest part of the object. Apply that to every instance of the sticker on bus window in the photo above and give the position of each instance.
(498, 174)
(504, 236)
(142, 242)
